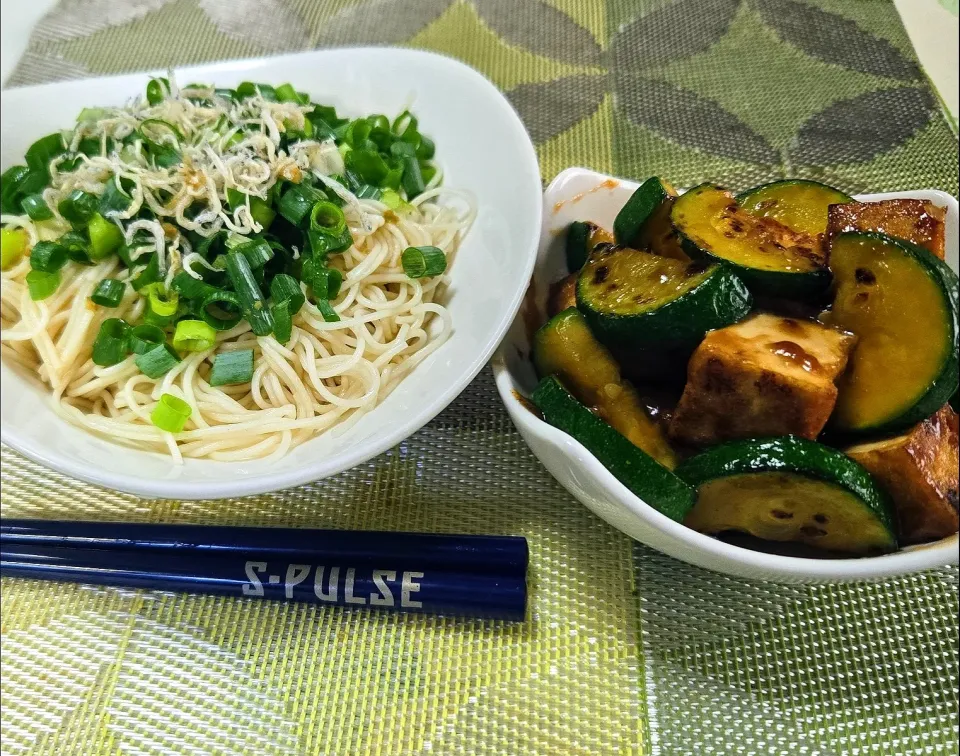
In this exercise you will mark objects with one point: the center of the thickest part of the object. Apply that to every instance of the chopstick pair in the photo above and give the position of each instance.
(464, 575)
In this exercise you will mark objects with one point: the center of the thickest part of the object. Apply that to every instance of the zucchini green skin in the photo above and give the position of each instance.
(578, 235)
(790, 454)
(639, 208)
(945, 385)
(806, 285)
(822, 195)
(638, 471)
(720, 300)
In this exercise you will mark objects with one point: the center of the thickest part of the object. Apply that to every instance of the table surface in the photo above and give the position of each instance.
(624, 651)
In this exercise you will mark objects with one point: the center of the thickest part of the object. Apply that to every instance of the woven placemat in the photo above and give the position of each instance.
(625, 650)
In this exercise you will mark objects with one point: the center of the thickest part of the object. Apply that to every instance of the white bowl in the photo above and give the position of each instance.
(580, 194)
(483, 148)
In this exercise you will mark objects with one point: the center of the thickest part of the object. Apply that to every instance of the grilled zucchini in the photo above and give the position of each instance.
(639, 299)
(771, 258)
(902, 304)
(566, 348)
(790, 489)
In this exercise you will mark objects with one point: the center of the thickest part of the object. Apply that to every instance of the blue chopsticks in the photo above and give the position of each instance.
(473, 576)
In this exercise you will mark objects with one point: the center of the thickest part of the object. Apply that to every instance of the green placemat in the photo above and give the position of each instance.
(625, 650)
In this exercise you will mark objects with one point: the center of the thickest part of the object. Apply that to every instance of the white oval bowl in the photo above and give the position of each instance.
(581, 194)
(483, 148)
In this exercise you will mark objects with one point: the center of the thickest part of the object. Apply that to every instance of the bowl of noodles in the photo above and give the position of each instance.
(240, 277)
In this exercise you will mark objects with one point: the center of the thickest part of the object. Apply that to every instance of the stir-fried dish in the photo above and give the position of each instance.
(778, 364)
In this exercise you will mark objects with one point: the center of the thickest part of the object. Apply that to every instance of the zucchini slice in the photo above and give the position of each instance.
(636, 298)
(638, 471)
(582, 238)
(796, 203)
(644, 221)
(771, 258)
(790, 489)
(565, 347)
(901, 301)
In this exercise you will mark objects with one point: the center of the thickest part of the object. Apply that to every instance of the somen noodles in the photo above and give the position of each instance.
(224, 274)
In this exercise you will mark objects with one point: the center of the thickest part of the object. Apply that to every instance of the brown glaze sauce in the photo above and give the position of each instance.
(527, 404)
(796, 354)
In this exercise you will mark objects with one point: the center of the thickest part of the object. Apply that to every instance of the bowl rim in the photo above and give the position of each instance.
(393, 434)
(719, 555)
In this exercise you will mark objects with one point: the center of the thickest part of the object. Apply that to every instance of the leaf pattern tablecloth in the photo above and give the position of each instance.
(625, 650)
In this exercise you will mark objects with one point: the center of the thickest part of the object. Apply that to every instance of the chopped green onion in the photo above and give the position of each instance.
(193, 336)
(427, 172)
(161, 301)
(110, 346)
(36, 207)
(149, 275)
(171, 413)
(326, 310)
(41, 152)
(11, 183)
(165, 156)
(282, 322)
(156, 131)
(367, 165)
(157, 90)
(91, 115)
(286, 290)
(248, 291)
(403, 150)
(89, 146)
(114, 199)
(427, 149)
(327, 216)
(189, 287)
(325, 282)
(108, 293)
(221, 310)
(412, 182)
(232, 367)
(257, 252)
(422, 262)
(13, 246)
(105, 237)
(296, 202)
(249, 89)
(286, 93)
(234, 240)
(368, 191)
(157, 361)
(260, 209)
(143, 338)
(41, 285)
(392, 200)
(357, 132)
(77, 246)
(404, 122)
(79, 206)
(48, 257)
(162, 305)
(328, 230)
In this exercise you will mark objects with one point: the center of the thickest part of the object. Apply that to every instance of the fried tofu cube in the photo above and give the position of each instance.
(917, 221)
(920, 471)
(563, 295)
(765, 376)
